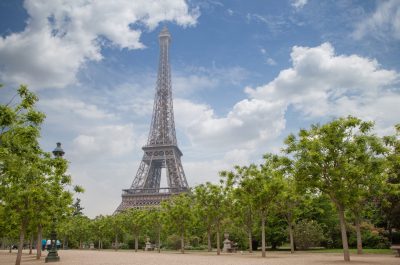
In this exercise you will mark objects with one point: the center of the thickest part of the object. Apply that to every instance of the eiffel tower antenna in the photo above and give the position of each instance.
(161, 150)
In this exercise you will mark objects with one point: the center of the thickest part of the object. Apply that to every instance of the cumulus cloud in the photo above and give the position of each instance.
(76, 107)
(187, 84)
(319, 84)
(299, 4)
(61, 36)
(384, 22)
(114, 140)
(250, 121)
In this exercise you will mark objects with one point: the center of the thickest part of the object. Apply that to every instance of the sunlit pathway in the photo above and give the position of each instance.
(87, 257)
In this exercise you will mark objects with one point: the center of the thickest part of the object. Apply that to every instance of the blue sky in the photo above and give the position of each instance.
(245, 75)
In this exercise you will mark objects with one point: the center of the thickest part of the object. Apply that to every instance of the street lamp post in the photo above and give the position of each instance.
(52, 256)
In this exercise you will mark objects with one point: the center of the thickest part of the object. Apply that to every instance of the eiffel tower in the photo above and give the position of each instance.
(161, 150)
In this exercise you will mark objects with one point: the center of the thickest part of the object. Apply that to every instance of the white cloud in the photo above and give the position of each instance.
(383, 24)
(201, 171)
(188, 84)
(320, 83)
(271, 61)
(61, 36)
(250, 121)
(77, 107)
(114, 140)
(299, 4)
(194, 79)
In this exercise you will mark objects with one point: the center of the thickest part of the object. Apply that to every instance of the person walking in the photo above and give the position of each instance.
(48, 244)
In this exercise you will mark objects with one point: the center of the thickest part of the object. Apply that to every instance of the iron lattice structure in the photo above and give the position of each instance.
(161, 150)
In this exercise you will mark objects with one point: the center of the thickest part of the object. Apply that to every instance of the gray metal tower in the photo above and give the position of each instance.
(161, 150)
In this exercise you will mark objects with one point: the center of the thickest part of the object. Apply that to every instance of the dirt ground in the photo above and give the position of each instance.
(93, 257)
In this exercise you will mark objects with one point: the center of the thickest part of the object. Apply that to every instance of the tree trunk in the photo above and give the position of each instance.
(182, 243)
(136, 243)
(30, 244)
(116, 243)
(291, 237)
(218, 241)
(39, 242)
(263, 235)
(209, 240)
(250, 242)
(358, 231)
(346, 253)
(159, 239)
(21, 242)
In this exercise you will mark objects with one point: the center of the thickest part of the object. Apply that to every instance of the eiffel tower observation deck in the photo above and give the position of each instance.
(161, 151)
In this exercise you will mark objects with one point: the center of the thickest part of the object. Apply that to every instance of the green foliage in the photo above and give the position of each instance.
(341, 159)
(339, 167)
(173, 242)
(389, 202)
(178, 215)
(276, 232)
(77, 207)
(373, 237)
(33, 185)
(210, 204)
(336, 158)
(308, 233)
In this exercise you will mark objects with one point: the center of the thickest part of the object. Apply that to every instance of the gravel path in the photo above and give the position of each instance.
(93, 257)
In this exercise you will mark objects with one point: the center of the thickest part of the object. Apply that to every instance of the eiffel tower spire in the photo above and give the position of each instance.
(161, 150)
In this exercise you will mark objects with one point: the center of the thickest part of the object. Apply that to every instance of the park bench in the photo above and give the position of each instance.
(396, 247)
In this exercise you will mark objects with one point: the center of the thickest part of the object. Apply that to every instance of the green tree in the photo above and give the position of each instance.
(308, 234)
(81, 231)
(241, 197)
(265, 185)
(21, 160)
(210, 203)
(118, 228)
(135, 220)
(178, 215)
(77, 207)
(329, 160)
(389, 201)
(29, 176)
(154, 222)
(289, 197)
(100, 229)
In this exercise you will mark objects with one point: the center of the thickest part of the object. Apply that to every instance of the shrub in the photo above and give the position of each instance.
(308, 234)
(173, 242)
(372, 237)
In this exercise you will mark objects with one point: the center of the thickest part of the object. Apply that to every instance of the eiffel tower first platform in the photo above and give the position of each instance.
(161, 150)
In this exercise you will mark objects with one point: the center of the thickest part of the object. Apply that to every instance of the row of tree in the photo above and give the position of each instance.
(337, 169)
(33, 185)
(336, 184)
